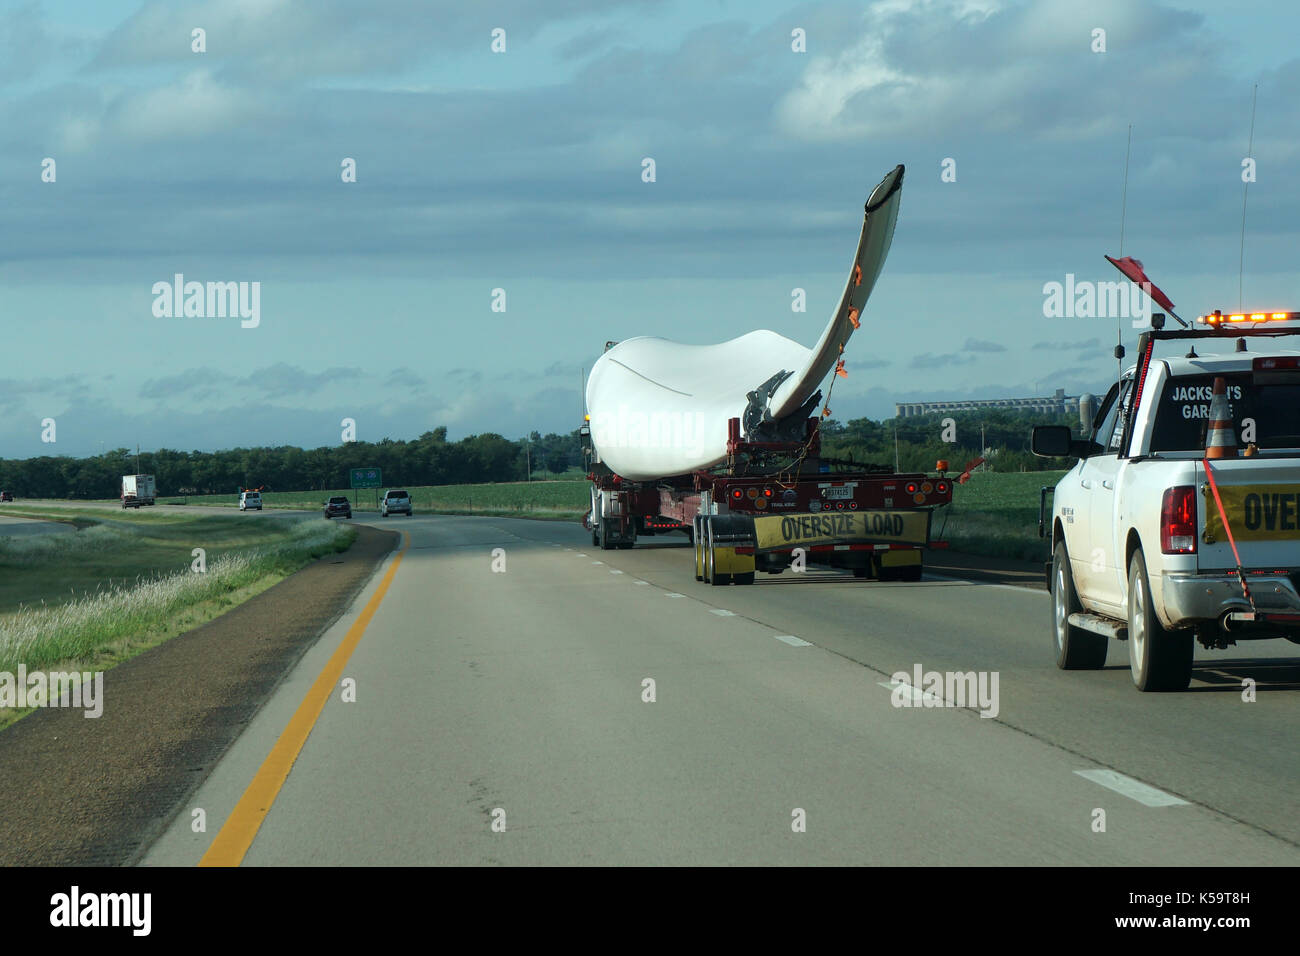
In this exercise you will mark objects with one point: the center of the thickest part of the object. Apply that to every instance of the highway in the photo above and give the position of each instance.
(518, 698)
(16, 527)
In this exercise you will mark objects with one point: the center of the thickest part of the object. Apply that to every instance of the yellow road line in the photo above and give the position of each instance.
(236, 836)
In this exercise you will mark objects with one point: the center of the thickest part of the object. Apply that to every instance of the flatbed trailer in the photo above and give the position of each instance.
(773, 506)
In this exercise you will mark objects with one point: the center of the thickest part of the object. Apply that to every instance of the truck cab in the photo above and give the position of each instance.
(1181, 519)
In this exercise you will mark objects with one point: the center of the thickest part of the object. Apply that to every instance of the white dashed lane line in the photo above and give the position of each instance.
(792, 640)
(915, 693)
(1134, 789)
(721, 613)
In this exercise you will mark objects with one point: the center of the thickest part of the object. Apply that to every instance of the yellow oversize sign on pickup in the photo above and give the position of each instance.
(1255, 512)
(842, 527)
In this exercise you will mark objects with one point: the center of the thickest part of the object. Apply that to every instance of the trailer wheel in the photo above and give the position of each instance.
(746, 578)
(715, 578)
(605, 544)
(696, 538)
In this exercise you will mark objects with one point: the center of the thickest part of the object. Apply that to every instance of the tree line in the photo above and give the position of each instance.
(952, 436)
(432, 460)
(428, 460)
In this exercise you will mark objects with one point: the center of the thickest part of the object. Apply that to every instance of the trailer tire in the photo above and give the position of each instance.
(1076, 649)
(1159, 660)
(605, 544)
(695, 540)
(746, 578)
(716, 579)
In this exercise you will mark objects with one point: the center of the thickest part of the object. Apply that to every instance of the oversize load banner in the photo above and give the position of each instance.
(1255, 512)
(773, 532)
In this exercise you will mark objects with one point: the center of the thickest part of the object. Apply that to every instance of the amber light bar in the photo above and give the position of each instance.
(1221, 318)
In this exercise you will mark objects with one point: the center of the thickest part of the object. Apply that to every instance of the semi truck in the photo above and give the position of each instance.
(137, 490)
(722, 442)
(774, 506)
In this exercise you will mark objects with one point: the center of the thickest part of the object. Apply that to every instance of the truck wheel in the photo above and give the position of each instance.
(911, 572)
(1159, 660)
(1076, 649)
(746, 578)
(605, 544)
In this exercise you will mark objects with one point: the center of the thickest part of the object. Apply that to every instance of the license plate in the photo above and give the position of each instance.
(842, 491)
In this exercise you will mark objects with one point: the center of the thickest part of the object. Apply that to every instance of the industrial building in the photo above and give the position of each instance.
(1060, 403)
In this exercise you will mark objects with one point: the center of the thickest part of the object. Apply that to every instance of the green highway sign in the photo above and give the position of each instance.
(367, 478)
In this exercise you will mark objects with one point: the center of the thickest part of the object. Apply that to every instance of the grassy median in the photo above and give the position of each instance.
(90, 598)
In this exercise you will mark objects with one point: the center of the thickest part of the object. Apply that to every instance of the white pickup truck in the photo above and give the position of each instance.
(1140, 551)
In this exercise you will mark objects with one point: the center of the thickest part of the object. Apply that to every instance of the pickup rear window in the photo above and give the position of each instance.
(397, 494)
(1182, 416)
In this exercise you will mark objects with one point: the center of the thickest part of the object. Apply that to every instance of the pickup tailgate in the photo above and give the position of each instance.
(1261, 498)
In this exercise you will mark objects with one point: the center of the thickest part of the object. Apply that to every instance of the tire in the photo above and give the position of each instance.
(595, 537)
(716, 579)
(746, 578)
(910, 573)
(696, 538)
(1159, 660)
(1076, 649)
(859, 572)
(604, 536)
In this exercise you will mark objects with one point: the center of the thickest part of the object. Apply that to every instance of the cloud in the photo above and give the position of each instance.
(1068, 346)
(197, 382)
(405, 378)
(281, 379)
(953, 65)
(930, 360)
(979, 345)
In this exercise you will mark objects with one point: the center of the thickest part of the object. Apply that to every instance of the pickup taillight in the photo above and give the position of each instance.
(1178, 520)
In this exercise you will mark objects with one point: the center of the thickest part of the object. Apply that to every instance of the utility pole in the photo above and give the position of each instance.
(528, 458)
(896, 468)
(137, 458)
(984, 466)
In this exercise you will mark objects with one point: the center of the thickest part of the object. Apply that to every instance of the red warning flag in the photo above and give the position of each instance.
(1133, 269)
(839, 369)
(853, 319)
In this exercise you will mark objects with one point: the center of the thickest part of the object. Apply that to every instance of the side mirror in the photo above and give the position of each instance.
(1057, 441)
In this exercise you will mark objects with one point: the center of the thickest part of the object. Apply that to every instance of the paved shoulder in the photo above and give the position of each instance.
(97, 791)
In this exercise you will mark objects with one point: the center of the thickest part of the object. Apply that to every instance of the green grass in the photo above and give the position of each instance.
(996, 514)
(95, 597)
(113, 551)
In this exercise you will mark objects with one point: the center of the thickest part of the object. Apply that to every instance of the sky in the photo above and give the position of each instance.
(521, 169)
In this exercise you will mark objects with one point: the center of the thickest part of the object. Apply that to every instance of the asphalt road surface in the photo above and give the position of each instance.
(502, 718)
(22, 527)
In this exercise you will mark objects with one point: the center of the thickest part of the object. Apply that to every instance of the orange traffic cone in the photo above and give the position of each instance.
(1220, 439)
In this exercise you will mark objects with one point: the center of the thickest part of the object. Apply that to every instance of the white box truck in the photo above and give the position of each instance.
(137, 490)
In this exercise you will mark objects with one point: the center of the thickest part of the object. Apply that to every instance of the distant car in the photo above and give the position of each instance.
(250, 501)
(338, 505)
(395, 503)
(6, 496)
